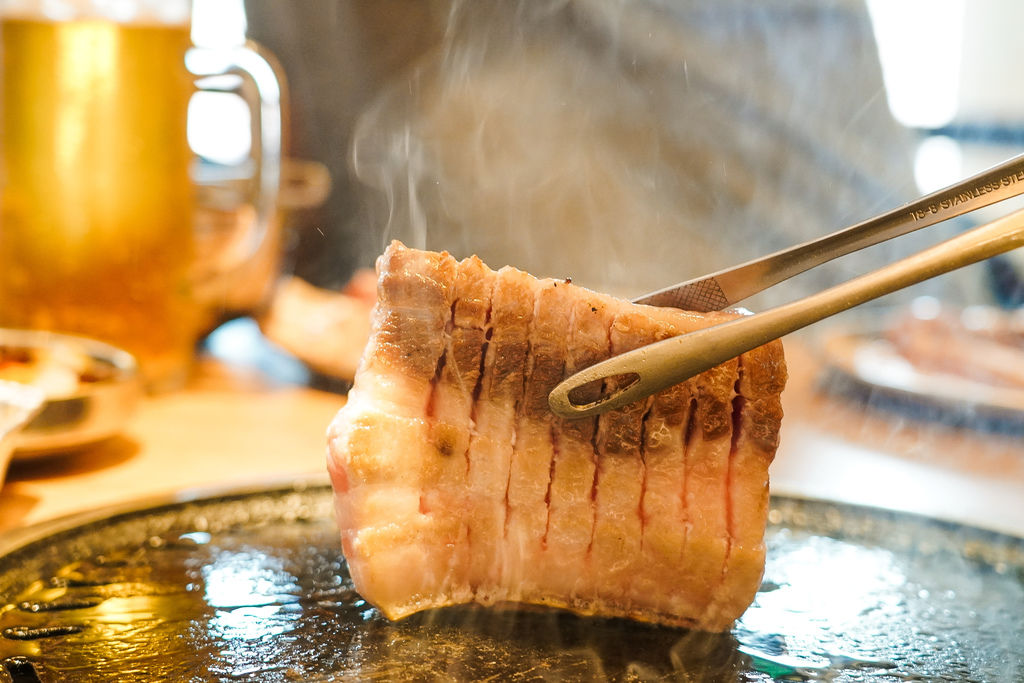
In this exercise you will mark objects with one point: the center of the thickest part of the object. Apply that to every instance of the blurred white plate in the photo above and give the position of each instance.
(96, 409)
(19, 403)
(870, 363)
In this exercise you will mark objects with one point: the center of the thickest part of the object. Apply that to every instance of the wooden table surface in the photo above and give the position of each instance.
(235, 425)
(229, 426)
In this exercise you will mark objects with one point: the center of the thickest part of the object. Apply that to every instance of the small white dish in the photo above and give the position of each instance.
(103, 393)
(19, 403)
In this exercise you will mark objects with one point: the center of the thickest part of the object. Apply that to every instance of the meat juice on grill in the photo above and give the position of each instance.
(455, 483)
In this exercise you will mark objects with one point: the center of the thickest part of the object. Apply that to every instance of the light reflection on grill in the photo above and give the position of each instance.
(262, 594)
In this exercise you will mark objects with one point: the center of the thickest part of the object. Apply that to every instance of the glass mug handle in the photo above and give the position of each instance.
(240, 275)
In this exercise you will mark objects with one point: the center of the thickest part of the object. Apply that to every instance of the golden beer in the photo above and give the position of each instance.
(96, 199)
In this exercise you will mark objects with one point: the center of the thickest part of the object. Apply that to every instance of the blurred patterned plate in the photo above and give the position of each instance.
(865, 366)
(104, 391)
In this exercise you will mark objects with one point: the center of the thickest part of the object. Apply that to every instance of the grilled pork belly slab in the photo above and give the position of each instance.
(454, 483)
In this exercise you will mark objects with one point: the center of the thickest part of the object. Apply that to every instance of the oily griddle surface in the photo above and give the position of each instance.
(252, 587)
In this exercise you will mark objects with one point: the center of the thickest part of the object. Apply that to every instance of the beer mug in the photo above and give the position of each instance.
(98, 227)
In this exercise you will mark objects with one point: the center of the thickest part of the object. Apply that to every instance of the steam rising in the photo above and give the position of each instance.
(632, 145)
(511, 147)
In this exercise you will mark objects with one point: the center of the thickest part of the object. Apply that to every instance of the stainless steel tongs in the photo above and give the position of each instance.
(660, 365)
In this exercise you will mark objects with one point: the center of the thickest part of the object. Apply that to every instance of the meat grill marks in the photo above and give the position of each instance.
(456, 387)
(494, 433)
(530, 472)
(573, 488)
(757, 416)
(618, 528)
(455, 483)
(388, 459)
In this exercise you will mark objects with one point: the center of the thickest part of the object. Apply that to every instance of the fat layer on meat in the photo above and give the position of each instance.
(454, 482)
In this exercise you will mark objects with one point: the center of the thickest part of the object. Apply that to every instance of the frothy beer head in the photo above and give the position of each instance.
(171, 12)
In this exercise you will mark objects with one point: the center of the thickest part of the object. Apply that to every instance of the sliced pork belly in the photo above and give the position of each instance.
(450, 413)
(530, 474)
(386, 435)
(494, 433)
(757, 415)
(571, 506)
(618, 527)
(455, 483)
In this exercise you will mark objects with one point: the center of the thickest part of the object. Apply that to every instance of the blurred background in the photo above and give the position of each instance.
(626, 144)
(630, 145)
